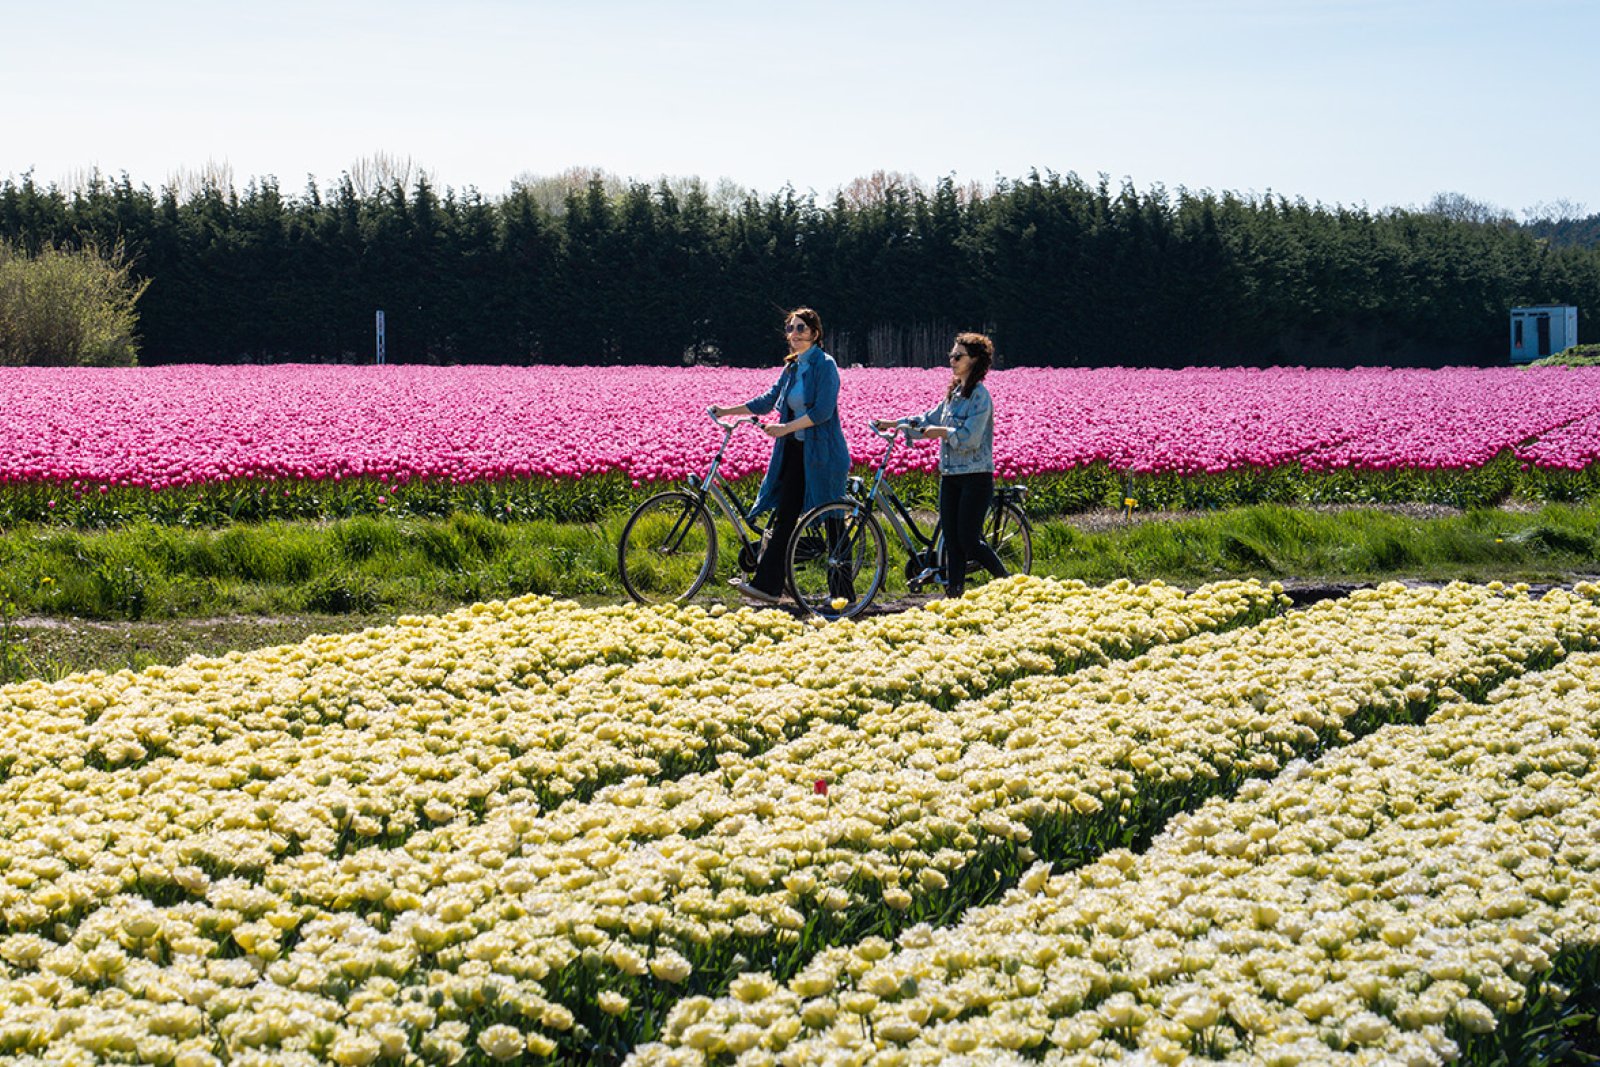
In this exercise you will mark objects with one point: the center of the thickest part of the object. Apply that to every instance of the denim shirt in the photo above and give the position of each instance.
(794, 406)
(969, 449)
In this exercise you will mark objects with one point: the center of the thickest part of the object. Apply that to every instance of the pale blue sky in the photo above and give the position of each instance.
(1376, 102)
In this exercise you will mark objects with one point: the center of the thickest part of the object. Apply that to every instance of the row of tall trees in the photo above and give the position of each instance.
(1061, 270)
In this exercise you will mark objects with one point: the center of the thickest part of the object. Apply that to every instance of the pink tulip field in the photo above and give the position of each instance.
(71, 434)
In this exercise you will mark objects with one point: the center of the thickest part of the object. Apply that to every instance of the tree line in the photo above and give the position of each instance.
(1062, 271)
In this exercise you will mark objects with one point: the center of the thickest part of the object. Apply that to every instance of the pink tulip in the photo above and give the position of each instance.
(168, 427)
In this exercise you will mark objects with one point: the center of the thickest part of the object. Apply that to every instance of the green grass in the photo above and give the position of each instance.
(354, 566)
(54, 648)
(73, 600)
(1554, 544)
(1576, 356)
(367, 565)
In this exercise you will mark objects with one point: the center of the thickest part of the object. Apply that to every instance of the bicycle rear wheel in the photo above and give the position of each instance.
(668, 549)
(837, 560)
(1011, 536)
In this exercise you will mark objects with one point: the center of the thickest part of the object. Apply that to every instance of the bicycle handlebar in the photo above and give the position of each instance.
(888, 435)
(729, 427)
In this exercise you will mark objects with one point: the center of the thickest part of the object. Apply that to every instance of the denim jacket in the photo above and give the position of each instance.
(816, 376)
(970, 447)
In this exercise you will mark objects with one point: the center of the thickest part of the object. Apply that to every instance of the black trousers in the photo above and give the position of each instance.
(963, 502)
(791, 502)
(772, 566)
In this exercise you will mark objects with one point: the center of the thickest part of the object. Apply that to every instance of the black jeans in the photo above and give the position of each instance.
(963, 502)
(791, 502)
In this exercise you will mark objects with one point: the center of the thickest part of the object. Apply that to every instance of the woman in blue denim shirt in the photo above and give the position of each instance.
(810, 460)
(964, 424)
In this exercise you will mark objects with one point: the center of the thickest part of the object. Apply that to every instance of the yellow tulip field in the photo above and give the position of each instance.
(1345, 911)
(1046, 822)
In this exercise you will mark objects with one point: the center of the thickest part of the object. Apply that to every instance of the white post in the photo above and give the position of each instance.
(380, 337)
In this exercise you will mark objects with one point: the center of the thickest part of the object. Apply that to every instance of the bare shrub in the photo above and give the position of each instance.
(68, 307)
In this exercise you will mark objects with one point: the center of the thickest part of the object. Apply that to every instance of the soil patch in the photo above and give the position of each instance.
(1100, 520)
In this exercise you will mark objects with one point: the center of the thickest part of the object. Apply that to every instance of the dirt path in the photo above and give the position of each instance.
(1100, 520)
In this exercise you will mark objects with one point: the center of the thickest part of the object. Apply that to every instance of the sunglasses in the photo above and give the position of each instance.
(796, 327)
(959, 355)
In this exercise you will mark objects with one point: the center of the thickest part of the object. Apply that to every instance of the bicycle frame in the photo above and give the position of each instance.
(842, 541)
(713, 486)
(885, 501)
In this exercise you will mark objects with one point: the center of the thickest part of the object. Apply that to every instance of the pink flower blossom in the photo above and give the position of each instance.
(168, 427)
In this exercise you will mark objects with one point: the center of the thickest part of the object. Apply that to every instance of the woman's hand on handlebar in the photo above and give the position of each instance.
(723, 417)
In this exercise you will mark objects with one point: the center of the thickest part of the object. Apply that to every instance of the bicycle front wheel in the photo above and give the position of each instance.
(1011, 536)
(837, 560)
(668, 549)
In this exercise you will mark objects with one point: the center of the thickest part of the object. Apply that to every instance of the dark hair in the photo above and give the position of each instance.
(812, 320)
(981, 349)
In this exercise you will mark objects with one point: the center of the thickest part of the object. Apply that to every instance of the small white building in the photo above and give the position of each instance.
(1542, 330)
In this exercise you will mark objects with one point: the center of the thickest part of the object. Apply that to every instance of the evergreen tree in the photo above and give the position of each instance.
(1061, 271)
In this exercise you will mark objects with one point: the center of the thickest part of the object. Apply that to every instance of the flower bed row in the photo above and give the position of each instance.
(534, 647)
(184, 425)
(206, 444)
(527, 700)
(1387, 903)
(506, 929)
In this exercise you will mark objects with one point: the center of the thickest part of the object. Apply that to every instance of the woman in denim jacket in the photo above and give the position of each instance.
(810, 460)
(964, 424)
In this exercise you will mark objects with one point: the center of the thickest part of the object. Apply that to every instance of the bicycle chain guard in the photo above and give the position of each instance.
(915, 565)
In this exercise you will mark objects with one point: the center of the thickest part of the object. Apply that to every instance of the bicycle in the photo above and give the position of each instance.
(839, 544)
(668, 548)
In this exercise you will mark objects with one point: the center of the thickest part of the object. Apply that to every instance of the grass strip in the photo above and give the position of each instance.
(368, 566)
(359, 565)
(209, 591)
(1555, 543)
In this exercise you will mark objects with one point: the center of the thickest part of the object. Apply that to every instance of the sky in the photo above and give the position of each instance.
(1381, 103)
